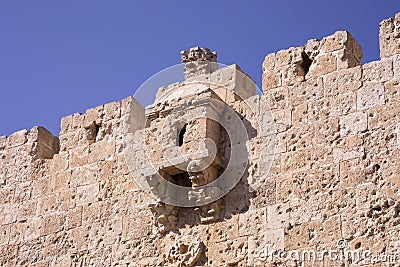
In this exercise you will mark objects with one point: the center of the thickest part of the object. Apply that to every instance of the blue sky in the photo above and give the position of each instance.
(62, 57)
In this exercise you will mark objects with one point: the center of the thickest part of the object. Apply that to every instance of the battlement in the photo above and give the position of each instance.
(298, 64)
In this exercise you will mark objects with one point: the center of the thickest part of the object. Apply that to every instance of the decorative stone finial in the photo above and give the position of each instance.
(198, 54)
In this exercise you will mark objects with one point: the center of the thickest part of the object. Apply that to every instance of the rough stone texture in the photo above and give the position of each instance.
(334, 183)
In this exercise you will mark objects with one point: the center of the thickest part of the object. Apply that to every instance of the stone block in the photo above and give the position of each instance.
(296, 160)
(323, 64)
(87, 193)
(271, 79)
(370, 95)
(378, 71)
(278, 98)
(47, 204)
(278, 216)
(310, 90)
(73, 218)
(102, 150)
(78, 157)
(350, 148)
(52, 223)
(353, 123)
(252, 222)
(66, 199)
(66, 124)
(343, 81)
(112, 111)
(17, 138)
(3, 142)
(392, 92)
(93, 116)
(28, 210)
(269, 62)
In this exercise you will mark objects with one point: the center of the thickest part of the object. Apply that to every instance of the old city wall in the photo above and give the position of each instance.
(71, 200)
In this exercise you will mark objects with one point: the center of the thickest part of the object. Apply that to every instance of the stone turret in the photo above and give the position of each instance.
(198, 61)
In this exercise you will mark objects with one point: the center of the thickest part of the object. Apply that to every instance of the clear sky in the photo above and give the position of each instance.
(62, 57)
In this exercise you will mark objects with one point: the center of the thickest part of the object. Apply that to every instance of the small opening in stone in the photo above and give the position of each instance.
(181, 179)
(181, 134)
(97, 129)
(305, 65)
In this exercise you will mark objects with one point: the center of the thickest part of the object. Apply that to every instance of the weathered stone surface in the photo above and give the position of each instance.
(321, 167)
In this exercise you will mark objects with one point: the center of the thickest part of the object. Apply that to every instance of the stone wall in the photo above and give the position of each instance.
(333, 185)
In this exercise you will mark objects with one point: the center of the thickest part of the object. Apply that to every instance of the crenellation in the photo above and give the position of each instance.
(389, 31)
(297, 64)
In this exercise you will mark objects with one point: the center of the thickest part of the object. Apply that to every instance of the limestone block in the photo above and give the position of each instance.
(386, 26)
(282, 58)
(296, 236)
(226, 230)
(66, 124)
(73, 218)
(112, 111)
(17, 138)
(60, 181)
(271, 79)
(78, 156)
(78, 121)
(22, 192)
(282, 120)
(322, 64)
(252, 222)
(389, 41)
(398, 134)
(265, 244)
(392, 92)
(69, 141)
(101, 150)
(17, 233)
(370, 95)
(136, 225)
(346, 60)
(318, 110)
(87, 193)
(269, 62)
(350, 147)
(383, 116)
(343, 104)
(92, 213)
(352, 173)
(378, 71)
(326, 131)
(325, 231)
(296, 160)
(292, 74)
(310, 90)
(343, 81)
(47, 204)
(41, 187)
(396, 66)
(93, 116)
(66, 199)
(7, 194)
(278, 216)
(337, 41)
(353, 123)
(299, 115)
(3, 142)
(230, 253)
(84, 175)
(59, 162)
(28, 210)
(278, 98)
(4, 235)
(300, 137)
(52, 223)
